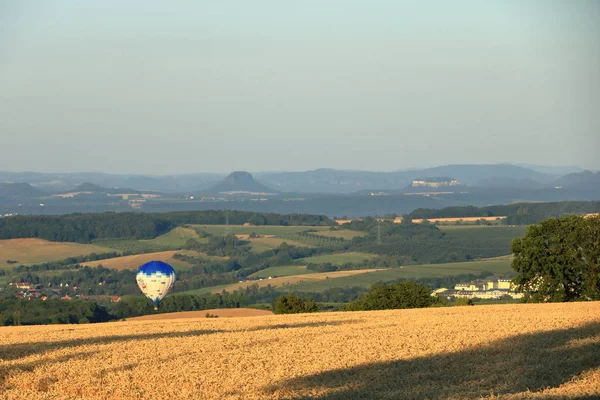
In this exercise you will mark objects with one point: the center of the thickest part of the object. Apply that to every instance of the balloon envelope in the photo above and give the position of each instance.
(155, 279)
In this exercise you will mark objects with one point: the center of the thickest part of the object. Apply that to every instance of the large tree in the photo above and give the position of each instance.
(558, 260)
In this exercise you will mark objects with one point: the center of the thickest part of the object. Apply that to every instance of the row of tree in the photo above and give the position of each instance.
(517, 214)
(84, 228)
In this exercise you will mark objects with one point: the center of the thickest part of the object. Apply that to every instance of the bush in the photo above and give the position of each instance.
(464, 302)
(290, 304)
(407, 294)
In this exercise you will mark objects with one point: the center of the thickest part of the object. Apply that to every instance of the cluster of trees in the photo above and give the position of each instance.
(83, 228)
(220, 217)
(292, 304)
(406, 294)
(133, 306)
(559, 260)
(38, 312)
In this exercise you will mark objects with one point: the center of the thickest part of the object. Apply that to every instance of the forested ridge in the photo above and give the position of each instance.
(84, 228)
(517, 214)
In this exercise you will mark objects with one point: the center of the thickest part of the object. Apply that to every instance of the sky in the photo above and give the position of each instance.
(167, 87)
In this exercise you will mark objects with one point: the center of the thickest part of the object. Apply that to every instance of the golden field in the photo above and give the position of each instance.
(540, 351)
(398, 220)
(133, 262)
(31, 251)
(288, 280)
(219, 312)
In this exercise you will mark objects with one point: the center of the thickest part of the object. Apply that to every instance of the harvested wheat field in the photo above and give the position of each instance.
(541, 351)
(134, 261)
(31, 251)
(288, 280)
(219, 312)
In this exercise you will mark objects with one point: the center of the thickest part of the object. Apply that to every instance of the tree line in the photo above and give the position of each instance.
(517, 214)
(55, 311)
(84, 228)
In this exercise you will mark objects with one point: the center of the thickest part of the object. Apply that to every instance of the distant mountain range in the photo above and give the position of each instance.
(344, 181)
(323, 181)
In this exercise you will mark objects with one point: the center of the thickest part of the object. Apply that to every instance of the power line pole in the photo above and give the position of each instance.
(378, 231)
(226, 222)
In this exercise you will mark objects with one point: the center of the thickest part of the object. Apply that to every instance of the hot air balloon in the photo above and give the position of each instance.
(155, 279)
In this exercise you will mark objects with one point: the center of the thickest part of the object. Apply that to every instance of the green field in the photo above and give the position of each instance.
(269, 243)
(338, 258)
(287, 270)
(507, 228)
(343, 234)
(477, 236)
(467, 226)
(499, 267)
(219, 230)
(283, 282)
(173, 240)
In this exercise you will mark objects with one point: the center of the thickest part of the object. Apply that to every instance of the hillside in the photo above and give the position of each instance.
(133, 262)
(33, 251)
(582, 180)
(347, 181)
(240, 183)
(508, 182)
(19, 190)
(524, 351)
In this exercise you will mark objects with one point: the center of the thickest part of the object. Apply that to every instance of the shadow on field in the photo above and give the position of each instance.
(304, 325)
(19, 350)
(30, 367)
(510, 366)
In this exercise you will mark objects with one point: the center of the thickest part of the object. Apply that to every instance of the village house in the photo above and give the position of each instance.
(20, 285)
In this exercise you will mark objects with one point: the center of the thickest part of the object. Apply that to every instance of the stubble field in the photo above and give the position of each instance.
(283, 281)
(31, 251)
(502, 352)
(133, 262)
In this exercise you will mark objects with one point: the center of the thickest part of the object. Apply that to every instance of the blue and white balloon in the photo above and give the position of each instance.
(155, 279)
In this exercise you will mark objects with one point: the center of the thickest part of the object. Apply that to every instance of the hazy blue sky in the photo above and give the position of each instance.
(215, 86)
